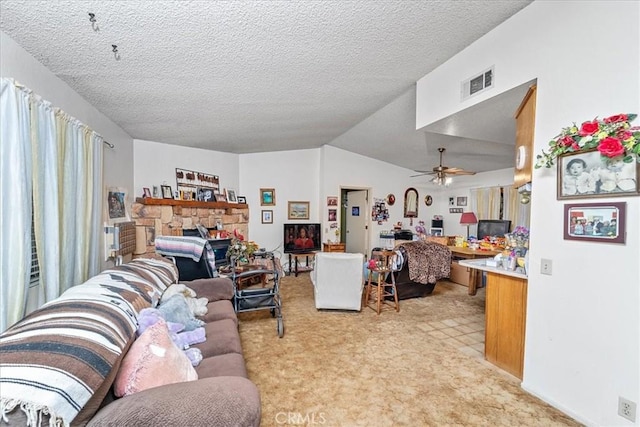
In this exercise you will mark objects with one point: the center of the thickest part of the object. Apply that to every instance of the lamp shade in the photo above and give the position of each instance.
(468, 218)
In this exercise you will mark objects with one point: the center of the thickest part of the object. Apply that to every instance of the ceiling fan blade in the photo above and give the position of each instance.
(459, 172)
(422, 174)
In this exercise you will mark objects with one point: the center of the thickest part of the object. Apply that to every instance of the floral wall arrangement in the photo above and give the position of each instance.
(612, 137)
(600, 158)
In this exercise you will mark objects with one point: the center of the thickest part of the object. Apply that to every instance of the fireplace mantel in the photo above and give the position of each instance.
(169, 217)
(191, 203)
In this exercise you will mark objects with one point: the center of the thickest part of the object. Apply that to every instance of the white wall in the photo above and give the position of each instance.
(582, 322)
(155, 163)
(295, 177)
(18, 64)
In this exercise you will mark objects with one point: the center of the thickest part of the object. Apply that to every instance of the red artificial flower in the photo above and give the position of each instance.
(616, 118)
(589, 128)
(611, 147)
(624, 135)
(566, 141)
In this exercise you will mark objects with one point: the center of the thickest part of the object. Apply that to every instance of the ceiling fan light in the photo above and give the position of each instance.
(442, 180)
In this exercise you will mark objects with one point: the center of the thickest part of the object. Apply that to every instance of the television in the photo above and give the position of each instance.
(300, 238)
(493, 227)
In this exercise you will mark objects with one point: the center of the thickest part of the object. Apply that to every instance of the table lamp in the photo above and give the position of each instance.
(468, 218)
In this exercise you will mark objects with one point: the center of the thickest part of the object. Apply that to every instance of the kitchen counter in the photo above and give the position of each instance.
(505, 316)
(481, 264)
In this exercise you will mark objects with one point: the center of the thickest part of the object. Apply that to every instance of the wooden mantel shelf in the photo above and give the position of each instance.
(190, 203)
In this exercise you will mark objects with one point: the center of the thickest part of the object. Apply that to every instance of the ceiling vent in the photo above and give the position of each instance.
(477, 84)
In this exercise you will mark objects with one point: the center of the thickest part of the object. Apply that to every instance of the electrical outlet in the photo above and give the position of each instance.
(627, 409)
(545, 266)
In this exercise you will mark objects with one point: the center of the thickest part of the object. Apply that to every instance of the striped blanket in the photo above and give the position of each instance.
(186, 246)
(54, 360)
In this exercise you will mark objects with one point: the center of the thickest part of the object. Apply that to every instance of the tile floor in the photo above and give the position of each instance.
(464, 333)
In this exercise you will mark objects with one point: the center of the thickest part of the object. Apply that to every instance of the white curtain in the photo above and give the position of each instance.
(517, 212)
(61, 159)
(485, 202)
(15, 201)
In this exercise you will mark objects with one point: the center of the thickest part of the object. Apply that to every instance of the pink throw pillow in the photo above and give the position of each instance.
(153, 360)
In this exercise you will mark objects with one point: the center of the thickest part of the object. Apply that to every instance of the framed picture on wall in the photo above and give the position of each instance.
(298, 210)
(267, 197)
(595, 222)
(267, 217)
(588, 174)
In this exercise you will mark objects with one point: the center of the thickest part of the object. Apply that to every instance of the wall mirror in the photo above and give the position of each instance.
(411, 203)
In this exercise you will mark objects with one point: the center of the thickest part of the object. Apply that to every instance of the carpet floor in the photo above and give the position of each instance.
(342, 368)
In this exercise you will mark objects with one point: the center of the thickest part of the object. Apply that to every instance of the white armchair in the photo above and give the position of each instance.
(338, 281)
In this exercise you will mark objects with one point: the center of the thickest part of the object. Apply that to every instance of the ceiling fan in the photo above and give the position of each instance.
(441, 173)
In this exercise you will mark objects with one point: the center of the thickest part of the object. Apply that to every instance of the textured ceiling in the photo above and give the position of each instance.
(250, 76)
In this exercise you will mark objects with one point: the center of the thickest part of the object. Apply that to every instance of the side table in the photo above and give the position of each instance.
(333, 247)
(294, 263)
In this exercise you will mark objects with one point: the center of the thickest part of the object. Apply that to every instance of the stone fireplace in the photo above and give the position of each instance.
(168, 217)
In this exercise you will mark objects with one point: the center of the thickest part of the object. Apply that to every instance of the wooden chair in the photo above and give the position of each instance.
(377, 289)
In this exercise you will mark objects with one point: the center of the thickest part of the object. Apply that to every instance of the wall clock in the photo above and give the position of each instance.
(428, 200)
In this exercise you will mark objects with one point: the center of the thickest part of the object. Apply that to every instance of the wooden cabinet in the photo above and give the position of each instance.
(506, 313)
(525, 124)
(333, 247)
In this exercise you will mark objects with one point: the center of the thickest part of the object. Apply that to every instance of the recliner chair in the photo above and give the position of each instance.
(337, 280)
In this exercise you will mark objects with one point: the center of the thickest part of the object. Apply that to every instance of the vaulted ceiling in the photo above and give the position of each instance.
(253, 76)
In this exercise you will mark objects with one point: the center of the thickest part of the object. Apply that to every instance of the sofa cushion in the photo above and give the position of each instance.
(222, 338)
(230, 364)
(147, 363)
(219, 310)
(219, 401)
(219, 288)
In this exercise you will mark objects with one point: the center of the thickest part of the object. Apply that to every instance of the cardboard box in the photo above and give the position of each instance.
(462, 275)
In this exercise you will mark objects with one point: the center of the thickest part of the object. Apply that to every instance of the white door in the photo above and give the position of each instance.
(356, 223)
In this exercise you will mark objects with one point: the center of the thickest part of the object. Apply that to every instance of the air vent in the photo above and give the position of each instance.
(477, 84)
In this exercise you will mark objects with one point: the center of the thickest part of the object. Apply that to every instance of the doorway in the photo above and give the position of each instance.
(354, 219)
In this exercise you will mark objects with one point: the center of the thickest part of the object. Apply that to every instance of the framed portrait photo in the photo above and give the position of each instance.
(167, 192)
(242, 199)
(146, 192)
(267, 197)
(231, 196)
(267, 217)
(587, 174)
(461, 201)
(595, 222)
(298, 210)
(332, 200)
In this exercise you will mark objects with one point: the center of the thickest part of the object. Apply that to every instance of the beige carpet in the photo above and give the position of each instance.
(339, 368)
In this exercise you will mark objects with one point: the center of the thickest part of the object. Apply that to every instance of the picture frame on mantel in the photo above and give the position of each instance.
(167, 192)
(595, 222)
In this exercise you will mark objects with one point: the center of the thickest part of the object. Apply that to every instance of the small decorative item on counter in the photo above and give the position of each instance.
(420, 229)
(459, 241)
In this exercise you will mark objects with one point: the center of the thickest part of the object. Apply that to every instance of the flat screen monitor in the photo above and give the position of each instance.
(493, 227)
(300, 238)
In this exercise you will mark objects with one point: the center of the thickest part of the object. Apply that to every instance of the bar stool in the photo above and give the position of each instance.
(378, 289)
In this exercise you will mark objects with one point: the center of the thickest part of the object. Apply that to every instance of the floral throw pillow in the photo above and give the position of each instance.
(153, 360)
